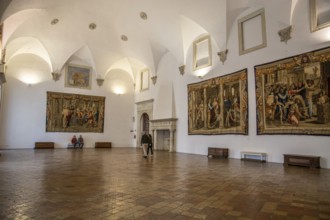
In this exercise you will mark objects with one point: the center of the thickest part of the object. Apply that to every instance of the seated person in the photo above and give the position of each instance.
(80, 142)
(74, 141)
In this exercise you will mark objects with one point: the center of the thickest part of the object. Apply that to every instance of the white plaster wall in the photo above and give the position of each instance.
(23, 111)
(164, 93)
(274, 145)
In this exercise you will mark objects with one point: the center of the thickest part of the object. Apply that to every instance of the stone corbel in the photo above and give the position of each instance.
(3, 57)
(181, 69)
(2, 73)
(154, 79)
(99, 82)
(56, 76)
(285, 34)
(223, 55)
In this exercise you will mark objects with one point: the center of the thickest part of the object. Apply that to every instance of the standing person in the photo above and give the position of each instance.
(145, 143)
(80, 142)
(150, 145)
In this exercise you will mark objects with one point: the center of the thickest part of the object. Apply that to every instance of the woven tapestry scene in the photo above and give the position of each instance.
(292, 95)
(74, 113)
(219, 105)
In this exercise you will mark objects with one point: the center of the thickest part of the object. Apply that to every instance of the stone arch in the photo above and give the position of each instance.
(144, 107)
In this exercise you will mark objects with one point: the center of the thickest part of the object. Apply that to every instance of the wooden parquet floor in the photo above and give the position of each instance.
(119, 183)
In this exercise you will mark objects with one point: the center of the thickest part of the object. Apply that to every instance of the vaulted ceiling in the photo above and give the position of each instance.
(120, 34)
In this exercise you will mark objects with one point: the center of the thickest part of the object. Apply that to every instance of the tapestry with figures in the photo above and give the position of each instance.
(74, 113)
(219, 105)
(292, 95)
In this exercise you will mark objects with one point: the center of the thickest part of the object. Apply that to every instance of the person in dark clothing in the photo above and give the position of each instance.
(80, 142)
(150, 145)
(145, 143)
(74, 141)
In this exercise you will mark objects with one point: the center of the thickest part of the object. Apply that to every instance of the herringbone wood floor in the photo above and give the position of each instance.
(119, 183)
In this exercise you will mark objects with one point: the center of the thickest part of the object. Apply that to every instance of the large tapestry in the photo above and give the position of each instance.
(219, 105)
(74, 113)
(292, 95)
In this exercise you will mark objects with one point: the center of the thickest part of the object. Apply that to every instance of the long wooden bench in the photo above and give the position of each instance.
(302, 160)
(44, 145)
(103, 145)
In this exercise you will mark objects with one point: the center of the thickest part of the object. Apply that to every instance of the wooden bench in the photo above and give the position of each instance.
(44, 145)
(255, 156)
(302, 160)
(102, 144)
(217, 152)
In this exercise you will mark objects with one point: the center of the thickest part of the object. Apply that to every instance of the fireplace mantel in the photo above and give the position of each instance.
(164, 124)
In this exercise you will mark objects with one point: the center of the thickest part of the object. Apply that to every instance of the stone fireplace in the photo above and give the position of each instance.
(163, 132)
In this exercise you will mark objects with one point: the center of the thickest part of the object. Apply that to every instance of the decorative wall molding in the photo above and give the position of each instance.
(56, 76)
(223, 55)
(285, 34)
(99, 82)
(182, 69)
(154, 79)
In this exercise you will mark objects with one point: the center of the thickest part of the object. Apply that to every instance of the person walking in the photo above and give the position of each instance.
(145, 143)
(150, 145)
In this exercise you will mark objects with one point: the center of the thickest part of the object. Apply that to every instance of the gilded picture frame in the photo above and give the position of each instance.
(78, 76)
(292, 95)
(67, 112)
(319, 14)
(252, 32)
(219, 105)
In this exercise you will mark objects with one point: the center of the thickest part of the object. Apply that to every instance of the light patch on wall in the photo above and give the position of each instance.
(327, 35)
(202, 72)
(29, 77)
(119, 90)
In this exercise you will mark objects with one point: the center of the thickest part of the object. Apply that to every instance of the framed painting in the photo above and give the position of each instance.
(78, 77)
(219, 105)
(67, 112)
(252, 32)
(292, 95)
(319, 14)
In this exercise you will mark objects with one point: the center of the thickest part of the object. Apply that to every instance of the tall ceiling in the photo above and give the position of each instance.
(118, 34)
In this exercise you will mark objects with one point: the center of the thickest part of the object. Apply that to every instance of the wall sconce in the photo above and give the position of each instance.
(223, 56)
(154, 79)
(285, 34)
(181, 69)
(99, 82)
(56, 76)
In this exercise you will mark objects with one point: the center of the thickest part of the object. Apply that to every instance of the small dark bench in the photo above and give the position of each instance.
(44, 145)
(302, 160)
(217, 152)
(103, 145)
